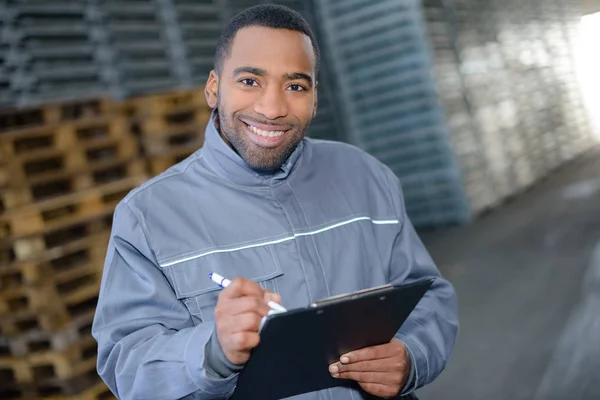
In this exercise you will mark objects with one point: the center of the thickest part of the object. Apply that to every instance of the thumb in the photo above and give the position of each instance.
(268, 295)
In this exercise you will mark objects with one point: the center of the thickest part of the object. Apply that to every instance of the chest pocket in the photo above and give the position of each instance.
(194, 288)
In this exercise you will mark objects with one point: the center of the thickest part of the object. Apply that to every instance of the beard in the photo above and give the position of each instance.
(233, 130)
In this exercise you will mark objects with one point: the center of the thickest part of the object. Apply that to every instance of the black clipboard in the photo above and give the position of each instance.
(297, 347)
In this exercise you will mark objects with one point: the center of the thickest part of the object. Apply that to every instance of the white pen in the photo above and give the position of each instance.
(224, 282)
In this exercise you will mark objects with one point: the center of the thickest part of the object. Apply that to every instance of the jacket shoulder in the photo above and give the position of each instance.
(347, 156)
(164, 182)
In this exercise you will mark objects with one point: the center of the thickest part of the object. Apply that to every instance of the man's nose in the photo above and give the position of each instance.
(272, 104)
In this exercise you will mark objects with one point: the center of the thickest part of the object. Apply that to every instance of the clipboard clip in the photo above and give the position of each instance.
(351, 296)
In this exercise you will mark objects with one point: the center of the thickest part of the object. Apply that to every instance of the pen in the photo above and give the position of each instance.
(224, 282)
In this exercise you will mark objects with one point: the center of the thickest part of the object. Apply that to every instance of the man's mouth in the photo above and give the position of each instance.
(265, 133)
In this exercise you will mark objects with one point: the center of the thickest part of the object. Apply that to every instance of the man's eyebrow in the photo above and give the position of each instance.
(249, 70)
(299, 75)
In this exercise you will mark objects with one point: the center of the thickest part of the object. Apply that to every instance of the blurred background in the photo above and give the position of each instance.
(487, 110)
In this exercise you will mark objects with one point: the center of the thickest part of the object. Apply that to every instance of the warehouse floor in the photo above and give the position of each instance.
(528, 280)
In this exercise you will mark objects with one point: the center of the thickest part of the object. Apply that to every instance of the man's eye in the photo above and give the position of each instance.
(249, 82)
(296, 88)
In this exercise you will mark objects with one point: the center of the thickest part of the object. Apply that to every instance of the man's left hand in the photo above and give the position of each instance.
(380, 370)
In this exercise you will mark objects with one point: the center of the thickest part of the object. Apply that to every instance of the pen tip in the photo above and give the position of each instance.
(210, 275)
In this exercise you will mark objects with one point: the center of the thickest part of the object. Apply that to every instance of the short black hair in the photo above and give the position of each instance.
(267, 15)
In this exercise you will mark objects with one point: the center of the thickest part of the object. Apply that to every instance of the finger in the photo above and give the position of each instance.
(248, 322)
(270, 296)
(242, 287)
(231, 307)
(384, 378)
(386, 350)
(379, 390)
(244, 340)
(382, 365)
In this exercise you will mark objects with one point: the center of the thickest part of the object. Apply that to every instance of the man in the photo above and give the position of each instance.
(292, 219)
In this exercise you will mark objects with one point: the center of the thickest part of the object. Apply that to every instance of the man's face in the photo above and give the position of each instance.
(265, 94)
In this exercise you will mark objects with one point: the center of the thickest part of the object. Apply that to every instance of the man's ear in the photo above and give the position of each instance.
(211, 88)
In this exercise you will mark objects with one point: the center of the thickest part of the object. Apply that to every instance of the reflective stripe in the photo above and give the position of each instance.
(327, 228)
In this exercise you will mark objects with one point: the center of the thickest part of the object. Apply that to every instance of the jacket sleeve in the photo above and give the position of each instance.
(431, 330)
(148, 346)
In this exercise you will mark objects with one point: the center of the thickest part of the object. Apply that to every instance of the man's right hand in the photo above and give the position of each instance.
(240, 308)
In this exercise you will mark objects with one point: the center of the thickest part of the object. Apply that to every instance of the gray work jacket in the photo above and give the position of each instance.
(330, 221)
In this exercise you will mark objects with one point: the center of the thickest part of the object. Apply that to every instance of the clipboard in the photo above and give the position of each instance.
(297, 347)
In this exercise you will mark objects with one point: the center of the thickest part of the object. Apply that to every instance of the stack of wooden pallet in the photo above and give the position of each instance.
(170, 125)
(63, 168)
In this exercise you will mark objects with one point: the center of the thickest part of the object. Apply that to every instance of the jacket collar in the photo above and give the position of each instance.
(229, 165)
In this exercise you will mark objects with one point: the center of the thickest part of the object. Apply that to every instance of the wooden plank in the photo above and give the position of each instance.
(51, 185)
(14, 120)
(67, 210)
(33, 298)
(17, 273)
(47, 162)
(56, 314)
(133, 108)
(61, 136)
(36, 341)
(52, 374)
(170, 120)
(36, 246)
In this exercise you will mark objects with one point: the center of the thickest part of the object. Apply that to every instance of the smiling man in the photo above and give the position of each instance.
(266, 96)
(289, 218)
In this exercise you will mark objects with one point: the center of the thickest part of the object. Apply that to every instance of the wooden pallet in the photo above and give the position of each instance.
(17, 119)
(56, 314)
(170, 121)
(51, 185)
(4, 232)
(53, 373)
(48, 162)
(174, 100)
(53, 235)
(55, 263)
(67, 210)
(33, 342)
(82, 272)
(45, 365)
(64, 136)
(6, 252)
(35, 246)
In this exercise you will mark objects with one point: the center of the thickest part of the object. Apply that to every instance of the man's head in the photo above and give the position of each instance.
(264, 84)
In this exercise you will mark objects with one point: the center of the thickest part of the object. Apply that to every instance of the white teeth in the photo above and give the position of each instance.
(260, 132)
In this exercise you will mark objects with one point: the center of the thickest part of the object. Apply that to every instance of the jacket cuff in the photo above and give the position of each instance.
(215, 361)
(411, 382)
(419, 368)
(195, 355)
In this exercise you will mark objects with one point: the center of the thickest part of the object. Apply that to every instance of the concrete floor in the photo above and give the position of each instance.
(528, 280)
